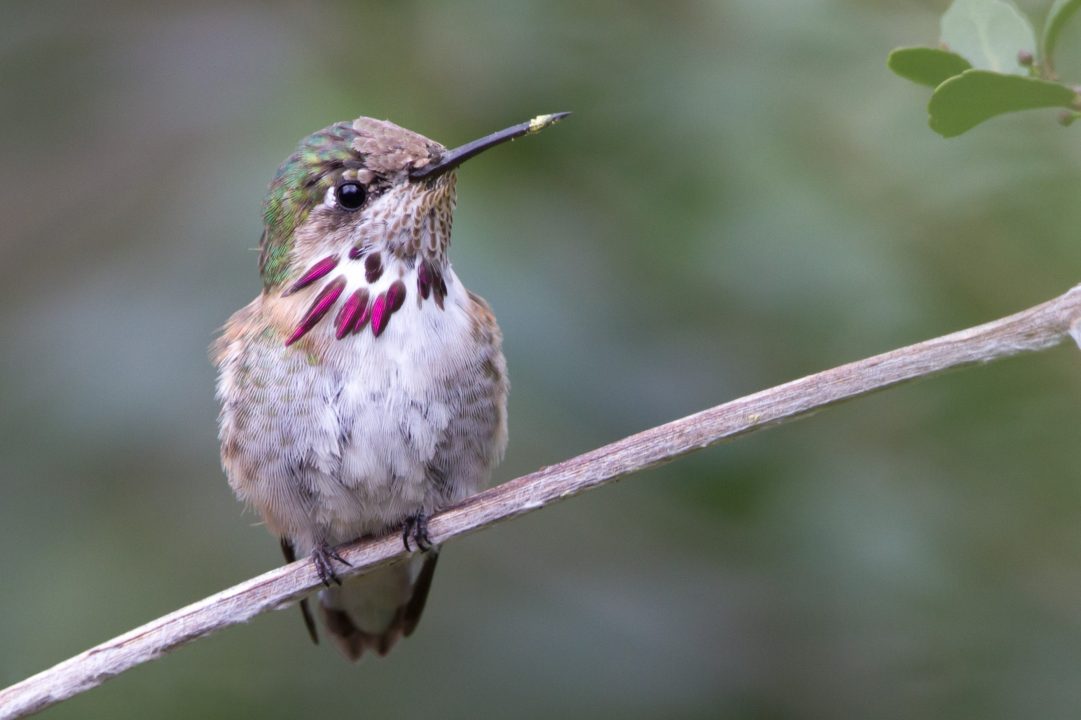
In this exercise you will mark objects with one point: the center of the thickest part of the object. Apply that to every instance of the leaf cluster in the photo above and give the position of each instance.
(990, 62)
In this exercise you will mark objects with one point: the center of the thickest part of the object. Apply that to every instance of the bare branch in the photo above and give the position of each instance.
(1034, 329)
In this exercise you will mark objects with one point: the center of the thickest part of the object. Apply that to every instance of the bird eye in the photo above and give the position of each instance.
(350, 195)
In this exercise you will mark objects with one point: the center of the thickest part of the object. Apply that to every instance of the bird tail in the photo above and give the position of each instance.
(374, 610)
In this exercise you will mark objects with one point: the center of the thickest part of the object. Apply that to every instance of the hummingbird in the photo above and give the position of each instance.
(365, 387)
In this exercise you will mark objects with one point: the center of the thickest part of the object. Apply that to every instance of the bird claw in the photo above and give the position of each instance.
(416, 527)
(323, 556)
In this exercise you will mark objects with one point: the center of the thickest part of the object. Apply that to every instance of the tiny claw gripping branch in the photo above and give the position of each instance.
(323, 556)
(416, 529)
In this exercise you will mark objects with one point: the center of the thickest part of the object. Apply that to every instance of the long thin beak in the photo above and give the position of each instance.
(453, 158)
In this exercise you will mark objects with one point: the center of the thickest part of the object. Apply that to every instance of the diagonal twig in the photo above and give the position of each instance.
(1037, 328)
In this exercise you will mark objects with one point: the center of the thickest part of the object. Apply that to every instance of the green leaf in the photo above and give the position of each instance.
(926, 66)
(989, 34)
(963, 102)
(1057, 16)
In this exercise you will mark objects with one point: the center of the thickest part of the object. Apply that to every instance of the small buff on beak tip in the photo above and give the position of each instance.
(542, 121)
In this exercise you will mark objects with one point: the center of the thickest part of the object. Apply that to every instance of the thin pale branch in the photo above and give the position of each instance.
(1034, 329)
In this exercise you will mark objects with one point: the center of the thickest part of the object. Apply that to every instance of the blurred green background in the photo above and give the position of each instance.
(744, 195)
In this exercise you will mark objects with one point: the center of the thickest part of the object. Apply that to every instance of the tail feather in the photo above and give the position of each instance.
(305, 610)
(412, 611)
(373, 611)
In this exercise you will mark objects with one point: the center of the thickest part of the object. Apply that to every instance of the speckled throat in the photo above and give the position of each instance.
(373, 303)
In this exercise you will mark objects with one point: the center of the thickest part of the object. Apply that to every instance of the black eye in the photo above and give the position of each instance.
(350, 195)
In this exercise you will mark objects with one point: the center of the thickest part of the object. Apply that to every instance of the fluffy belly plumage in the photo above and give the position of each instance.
(331, 440)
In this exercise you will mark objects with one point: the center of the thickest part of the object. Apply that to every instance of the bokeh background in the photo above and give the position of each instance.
(745, 195)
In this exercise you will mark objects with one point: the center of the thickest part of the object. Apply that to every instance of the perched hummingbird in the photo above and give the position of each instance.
(365, 387)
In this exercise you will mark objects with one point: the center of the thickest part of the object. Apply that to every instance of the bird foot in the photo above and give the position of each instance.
(324, 556)
(416, 528)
